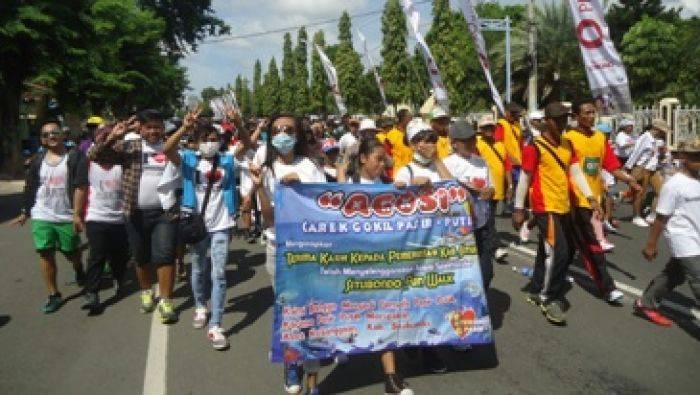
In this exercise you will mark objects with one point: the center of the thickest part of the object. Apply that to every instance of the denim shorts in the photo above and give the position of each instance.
(152, 236)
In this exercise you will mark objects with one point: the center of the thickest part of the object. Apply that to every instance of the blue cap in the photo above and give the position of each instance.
(604, 127)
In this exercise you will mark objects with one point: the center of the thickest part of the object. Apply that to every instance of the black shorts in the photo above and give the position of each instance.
(152, 236)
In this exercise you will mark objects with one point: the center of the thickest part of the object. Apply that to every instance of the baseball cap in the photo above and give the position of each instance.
(368, 123)
(514, 107)
(329, 144)
(438, 112)
(536, 115)
(690, 146)
(555, 110)
(461, 130)
(626, 122)
(661, 125)
(487, 120)
(416, 126)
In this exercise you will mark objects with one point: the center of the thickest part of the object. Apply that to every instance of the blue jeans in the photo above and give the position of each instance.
(209, 275)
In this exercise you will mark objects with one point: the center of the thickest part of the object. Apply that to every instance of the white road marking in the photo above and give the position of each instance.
(156, 374)
(688, 311)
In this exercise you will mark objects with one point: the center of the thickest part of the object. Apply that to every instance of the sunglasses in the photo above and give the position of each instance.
(427, 136)
(51, 134)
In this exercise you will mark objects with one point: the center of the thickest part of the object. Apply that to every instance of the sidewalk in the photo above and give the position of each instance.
(10, 187)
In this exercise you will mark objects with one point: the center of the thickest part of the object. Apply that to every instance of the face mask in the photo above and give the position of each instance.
(209, 149)
(263, 136)
(421, 159)
(283, 143)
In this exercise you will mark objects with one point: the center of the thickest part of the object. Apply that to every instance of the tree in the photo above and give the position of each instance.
(650, 51)
(419, 89)
(246, 98)
(348, 65)
(257, 89)
(396, 62)
(688, 70)
(320, 95)
(271, 89)
(288, 88)
(621, 17)
(302, 73)
(186, 22)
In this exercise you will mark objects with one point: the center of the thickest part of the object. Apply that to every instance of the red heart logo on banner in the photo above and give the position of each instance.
(462, 321)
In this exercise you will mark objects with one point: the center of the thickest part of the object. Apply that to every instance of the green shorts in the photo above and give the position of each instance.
(55, 235)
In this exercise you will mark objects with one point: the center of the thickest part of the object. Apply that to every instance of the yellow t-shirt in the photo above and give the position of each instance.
(444, 147)
(549, 189)
(495, 163)
(400, 152)
(512, 139)
(592, 153)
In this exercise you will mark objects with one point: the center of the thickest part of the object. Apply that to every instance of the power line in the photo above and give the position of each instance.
(294, 28)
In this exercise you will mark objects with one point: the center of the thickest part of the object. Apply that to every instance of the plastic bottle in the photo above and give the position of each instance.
(525, 270)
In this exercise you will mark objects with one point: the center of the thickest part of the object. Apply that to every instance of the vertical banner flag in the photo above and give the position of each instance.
(370, 62)
(332, 80)
(606, 73)
(474, 25)
(361, 269)
(438, 87)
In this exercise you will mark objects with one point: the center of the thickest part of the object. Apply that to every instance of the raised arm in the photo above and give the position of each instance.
(171, 145)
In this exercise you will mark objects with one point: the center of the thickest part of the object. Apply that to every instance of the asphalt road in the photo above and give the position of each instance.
(603, 349)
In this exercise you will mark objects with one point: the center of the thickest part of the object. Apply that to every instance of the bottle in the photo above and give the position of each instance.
(525, 270)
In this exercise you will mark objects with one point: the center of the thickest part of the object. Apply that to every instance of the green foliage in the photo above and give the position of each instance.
(349, 66)
(321, 100)
(621, 17)
(651, 52)
(257, 89)
(271, 89)
(688, 67)
(302, 104)
(396, 69)
(288, 85)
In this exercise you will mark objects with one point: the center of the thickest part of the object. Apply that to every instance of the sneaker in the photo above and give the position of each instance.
(166, 310)
(650, 218)
(524, 233)
(554, 313)
(653, 315)
(393, 385)
(200, 318)
(432, 362)
(607, 246)
(217, 337)
(53, 303)
(92, 301)
(500, 254)
(615, 296)
(147, 303)
(533, 299)
(608, 227)
(639, 221)
(292, 382)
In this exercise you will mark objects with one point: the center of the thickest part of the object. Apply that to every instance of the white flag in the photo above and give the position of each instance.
(438, 87)
(332, 80)
(377, 77)
(606, 73)
(474, 25)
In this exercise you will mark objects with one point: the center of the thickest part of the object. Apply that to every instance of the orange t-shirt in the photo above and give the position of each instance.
(549, 189)
(593, 153)
(494, 156)
(512, 138)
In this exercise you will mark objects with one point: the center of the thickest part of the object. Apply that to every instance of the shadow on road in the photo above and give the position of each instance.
(499, 304)
(10, 205)
(4, 320)
(253, 304)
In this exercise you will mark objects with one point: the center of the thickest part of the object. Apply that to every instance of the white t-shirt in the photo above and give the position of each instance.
(104, 203)
(305, 168)
(246, 184)
(153, 162)
(622, 149)
(404, 175)
(680, 199)
(217, 216)
(472, 170)
(643, 153)
(52, 202)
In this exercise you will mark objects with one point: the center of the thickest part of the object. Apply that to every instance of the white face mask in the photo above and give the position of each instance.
(421, 159)
(209, 148)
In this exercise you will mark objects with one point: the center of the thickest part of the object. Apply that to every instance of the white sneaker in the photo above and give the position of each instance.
(200, 318)
(217, 337)
(639, 221)
(650, 218)
(615, 296)
(607, 246)
(524, 233)
(500, 253)
(607, 226)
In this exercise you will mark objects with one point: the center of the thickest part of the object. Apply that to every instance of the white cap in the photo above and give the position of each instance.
(537, 114)
(414, 127)
(368, 123)
(626, 122)
(438, 112)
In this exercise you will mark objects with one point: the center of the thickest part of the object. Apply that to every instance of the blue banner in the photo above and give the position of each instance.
(365, 268)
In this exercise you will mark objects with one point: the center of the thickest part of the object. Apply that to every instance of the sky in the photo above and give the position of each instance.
(218, 62)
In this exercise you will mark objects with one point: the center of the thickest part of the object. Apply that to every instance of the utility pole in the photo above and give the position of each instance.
(532, 52)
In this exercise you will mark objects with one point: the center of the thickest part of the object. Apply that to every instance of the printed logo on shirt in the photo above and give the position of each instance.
(591, 165)
(154, 161)
(204, 177)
